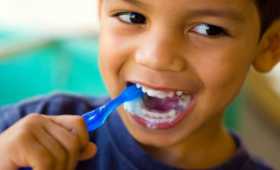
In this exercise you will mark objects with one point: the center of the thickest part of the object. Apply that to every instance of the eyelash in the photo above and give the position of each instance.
(216, 31)
(140, 19)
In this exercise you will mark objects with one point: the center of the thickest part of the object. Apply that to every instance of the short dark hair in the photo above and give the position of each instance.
(269, 12)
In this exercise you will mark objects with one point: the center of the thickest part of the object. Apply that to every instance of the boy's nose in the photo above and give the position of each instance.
(160, 53)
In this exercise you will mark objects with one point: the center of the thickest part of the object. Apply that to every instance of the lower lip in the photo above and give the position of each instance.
(169, 125)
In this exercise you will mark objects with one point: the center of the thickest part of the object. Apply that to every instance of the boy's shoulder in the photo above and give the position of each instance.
(243, 159)
(54, 104)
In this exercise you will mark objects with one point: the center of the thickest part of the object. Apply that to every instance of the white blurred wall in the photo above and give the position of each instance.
(51, 16)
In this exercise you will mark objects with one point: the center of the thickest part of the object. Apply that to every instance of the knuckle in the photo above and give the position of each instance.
(29, 124)
(33, 117)
(32, 121)
(80, 128)
(78, 120)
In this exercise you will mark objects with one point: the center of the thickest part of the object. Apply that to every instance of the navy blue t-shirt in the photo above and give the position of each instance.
(116, 148)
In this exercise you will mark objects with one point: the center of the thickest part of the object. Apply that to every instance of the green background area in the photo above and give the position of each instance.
(62, 65)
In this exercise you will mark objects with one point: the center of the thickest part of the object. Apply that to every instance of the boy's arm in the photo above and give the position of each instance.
(50, 105)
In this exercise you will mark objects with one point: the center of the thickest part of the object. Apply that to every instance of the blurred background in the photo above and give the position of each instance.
(49, 46)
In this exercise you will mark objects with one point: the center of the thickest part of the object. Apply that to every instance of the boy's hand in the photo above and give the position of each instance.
(45, 143)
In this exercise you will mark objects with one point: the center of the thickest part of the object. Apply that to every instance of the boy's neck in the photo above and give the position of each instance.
(209, 146)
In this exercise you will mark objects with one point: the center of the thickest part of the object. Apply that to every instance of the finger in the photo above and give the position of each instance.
(36, 155)
(69, 140)
(54, 147)
(74, 124)
(88, 152)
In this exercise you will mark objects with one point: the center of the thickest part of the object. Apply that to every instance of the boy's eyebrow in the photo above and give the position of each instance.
(224, 13)
(135, 2)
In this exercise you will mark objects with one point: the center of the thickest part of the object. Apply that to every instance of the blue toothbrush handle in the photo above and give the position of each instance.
(96, 118)
(93, 119)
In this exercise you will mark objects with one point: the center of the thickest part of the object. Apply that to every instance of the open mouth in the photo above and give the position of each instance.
(159, 109)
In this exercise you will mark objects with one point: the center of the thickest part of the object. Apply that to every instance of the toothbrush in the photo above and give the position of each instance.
(97, 117)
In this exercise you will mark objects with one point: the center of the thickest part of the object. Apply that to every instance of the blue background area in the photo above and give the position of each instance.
(68, 65)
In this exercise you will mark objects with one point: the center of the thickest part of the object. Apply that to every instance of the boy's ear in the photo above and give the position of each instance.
(269, 49)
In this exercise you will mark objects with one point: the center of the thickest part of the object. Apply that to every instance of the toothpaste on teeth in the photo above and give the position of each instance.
(158, 93)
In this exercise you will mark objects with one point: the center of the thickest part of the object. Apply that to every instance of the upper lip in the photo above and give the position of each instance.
(165, 81)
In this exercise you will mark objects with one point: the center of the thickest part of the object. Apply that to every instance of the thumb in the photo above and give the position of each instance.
(88, 152)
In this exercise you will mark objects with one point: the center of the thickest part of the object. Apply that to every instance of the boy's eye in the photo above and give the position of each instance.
(131, 17)
(209, 30)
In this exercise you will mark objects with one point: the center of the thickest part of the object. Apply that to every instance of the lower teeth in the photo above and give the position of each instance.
(171, 114)
(137, 108)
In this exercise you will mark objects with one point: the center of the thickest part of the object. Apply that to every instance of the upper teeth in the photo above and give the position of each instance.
(179, 93)
(158, 93)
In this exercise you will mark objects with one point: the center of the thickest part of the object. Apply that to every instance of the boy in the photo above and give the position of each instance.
(190, 57)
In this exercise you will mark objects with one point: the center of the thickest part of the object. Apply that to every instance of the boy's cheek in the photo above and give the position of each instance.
(221, 82)
(113, 56)
(110, 52)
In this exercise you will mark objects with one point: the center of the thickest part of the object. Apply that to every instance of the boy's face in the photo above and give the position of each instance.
(203, 48)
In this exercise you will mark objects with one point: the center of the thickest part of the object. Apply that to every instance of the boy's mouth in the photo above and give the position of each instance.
(159, 109)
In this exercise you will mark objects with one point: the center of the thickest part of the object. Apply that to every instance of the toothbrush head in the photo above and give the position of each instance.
(131, 92)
